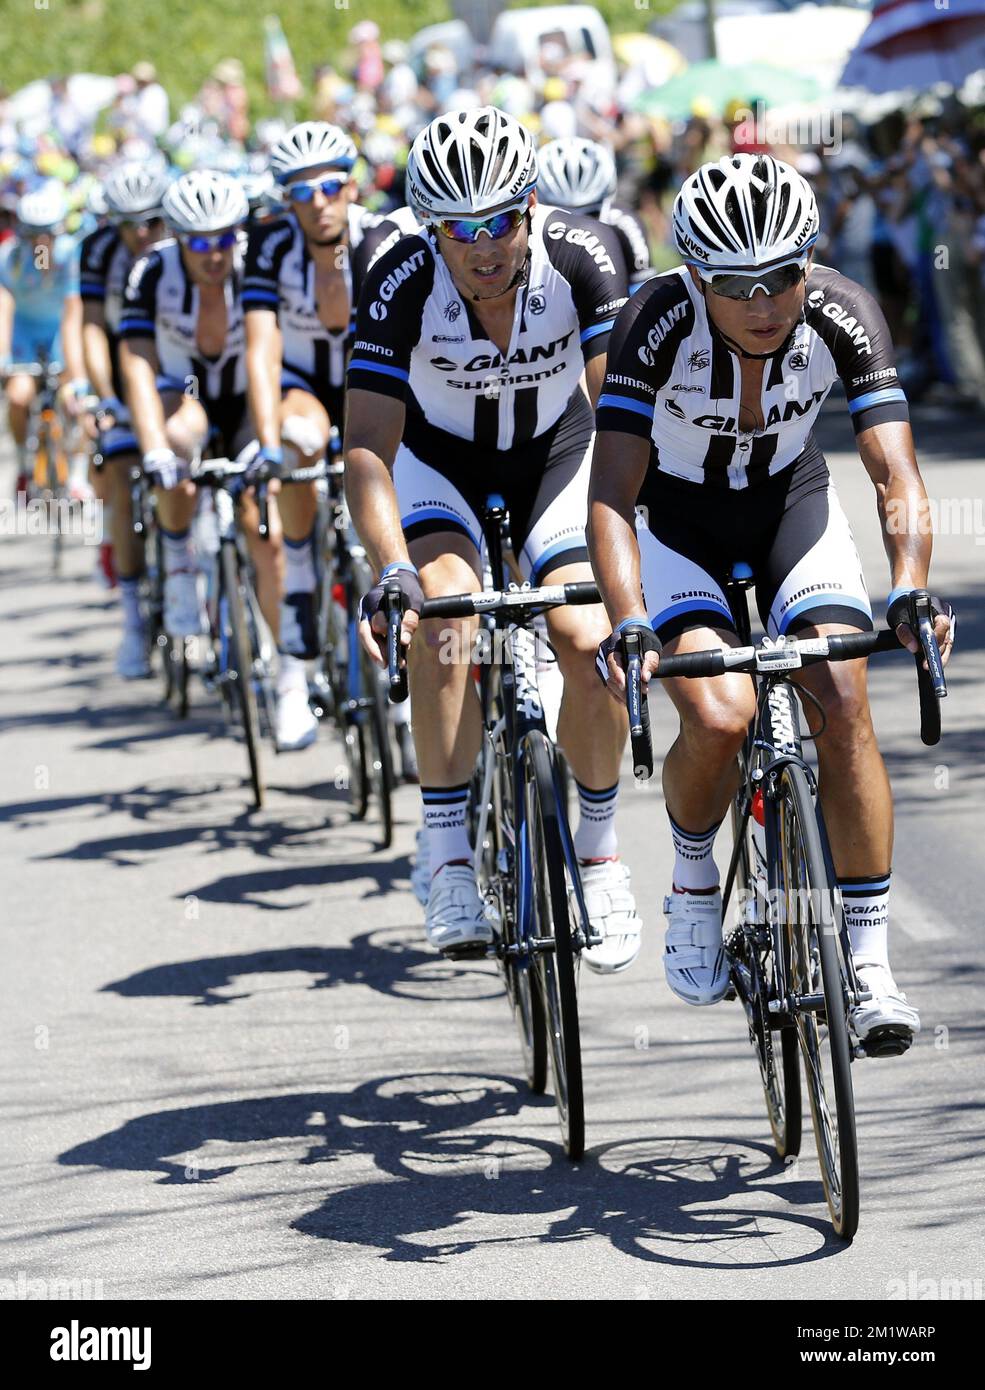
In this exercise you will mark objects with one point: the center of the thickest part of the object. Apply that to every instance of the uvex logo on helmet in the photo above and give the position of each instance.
(801, 236)
(692, 246)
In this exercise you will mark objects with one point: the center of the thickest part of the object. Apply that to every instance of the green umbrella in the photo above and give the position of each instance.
(718, 84)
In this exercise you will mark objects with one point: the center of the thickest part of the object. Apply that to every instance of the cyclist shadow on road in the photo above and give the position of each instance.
(428, 1166)
(387, 960)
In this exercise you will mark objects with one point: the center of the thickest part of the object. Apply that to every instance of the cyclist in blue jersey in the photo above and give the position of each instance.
(39, 285)
(705, 456)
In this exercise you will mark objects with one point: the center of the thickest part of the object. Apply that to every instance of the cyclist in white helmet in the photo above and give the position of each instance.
(472, 338)
(717, 371)
(580, 175)
(183, 358)
(131, 197)
(302, 278)
(39, 308)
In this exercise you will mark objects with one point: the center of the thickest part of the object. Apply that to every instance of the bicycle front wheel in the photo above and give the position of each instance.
(240, 661)
(754, 973)
(550, 938)
(377, 752)
(817, 970)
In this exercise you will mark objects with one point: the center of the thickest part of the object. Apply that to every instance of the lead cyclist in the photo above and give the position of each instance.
(705, 455)
(472, 337)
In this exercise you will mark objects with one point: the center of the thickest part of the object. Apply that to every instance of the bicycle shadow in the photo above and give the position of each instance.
(450, 1175)
(387, 960)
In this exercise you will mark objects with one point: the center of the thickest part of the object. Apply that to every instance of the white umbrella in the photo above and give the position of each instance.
(910, 44)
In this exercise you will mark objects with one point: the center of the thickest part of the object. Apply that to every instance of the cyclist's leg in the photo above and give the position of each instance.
(187, 430)
(305, 428)
(118, 447)
(443, 538)
(683, 571)
(816, 587)
(21, 391)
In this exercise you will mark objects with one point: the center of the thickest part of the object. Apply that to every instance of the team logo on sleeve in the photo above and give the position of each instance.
(660, 330)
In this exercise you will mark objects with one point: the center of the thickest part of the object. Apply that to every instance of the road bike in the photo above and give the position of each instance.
(349, 691)
(789, 957)
(46, 446)
(525, 863)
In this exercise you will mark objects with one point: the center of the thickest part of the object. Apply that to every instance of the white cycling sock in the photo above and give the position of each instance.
(130, 603)
(299, 565)
(694, 862)
(444, 820)
(178, 551)
(595, 837)
(865, 902)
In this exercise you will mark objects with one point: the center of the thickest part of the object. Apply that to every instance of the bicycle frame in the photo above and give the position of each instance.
(773, 740)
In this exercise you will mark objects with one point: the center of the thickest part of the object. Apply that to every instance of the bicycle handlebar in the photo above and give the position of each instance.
(514, 600)
(787, 655)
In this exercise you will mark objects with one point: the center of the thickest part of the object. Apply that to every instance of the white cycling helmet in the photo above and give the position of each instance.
(745, 211)
(308, 145)
(134, 190)
(205, 200)
(469, 162)
(575, 174)
(44, 209)
(262, 193)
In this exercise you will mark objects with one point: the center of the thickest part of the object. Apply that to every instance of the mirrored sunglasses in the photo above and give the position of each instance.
(222, 242)
(469, 229)
(305, 191)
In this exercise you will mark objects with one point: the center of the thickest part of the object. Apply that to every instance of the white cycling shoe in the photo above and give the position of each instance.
(612, 913)
(694, 957)
(131, 659)
(184, 612)
(297, 726)
(886, 1023)
(420, 874)
(456, 920)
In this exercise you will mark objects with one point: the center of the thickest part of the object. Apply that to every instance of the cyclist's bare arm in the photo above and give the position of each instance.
(95, 348)
(263, 364)
(138, 364)
(594, 377)
(71, 338)
(890, 461)
(6, 321)
(618, 468)
(374, 425)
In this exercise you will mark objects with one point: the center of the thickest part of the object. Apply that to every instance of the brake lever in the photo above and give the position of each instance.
(394, 623)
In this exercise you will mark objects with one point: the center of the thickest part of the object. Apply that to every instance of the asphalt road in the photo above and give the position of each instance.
(233, 1069)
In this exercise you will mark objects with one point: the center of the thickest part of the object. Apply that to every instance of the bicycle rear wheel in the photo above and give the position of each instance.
(816, 968)
(240, 664)
(550, 931)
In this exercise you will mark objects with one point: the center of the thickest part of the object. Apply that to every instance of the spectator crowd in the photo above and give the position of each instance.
(902, 198)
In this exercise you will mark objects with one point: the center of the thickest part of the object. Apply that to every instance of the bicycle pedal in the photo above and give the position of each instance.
(886, 1042)
(479, 950)
(730, 992)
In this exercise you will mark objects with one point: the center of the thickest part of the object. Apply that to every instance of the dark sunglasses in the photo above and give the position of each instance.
(744, 286)
(222, 242)
(153, 219)
(305, 192)
(468, 229)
